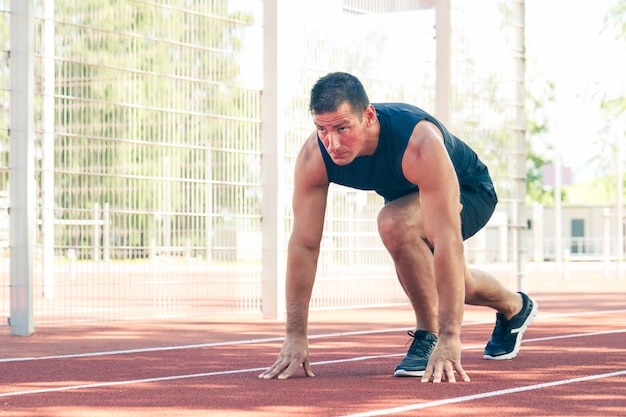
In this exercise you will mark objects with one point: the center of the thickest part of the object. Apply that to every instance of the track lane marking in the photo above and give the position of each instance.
(539, 317)
(455, 400)
(246, 370)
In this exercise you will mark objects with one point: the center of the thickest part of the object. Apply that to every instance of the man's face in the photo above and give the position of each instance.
(342, 133)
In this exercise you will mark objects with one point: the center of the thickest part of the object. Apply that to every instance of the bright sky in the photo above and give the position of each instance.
(567, 43)
(567, 40)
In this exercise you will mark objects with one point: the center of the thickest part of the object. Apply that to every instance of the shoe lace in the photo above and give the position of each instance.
(502, 327)
(418, 347)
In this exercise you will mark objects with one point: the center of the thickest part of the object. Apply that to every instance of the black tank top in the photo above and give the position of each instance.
(382, 171)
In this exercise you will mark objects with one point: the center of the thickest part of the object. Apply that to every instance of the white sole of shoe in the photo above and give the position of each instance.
(405, 373)
(520, 332)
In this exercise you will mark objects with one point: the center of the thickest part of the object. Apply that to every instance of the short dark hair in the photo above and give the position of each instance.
(336, 88)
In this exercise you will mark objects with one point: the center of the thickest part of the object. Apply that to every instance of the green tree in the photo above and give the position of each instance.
(613, 104)
(540, 95)
(141, 106)
(616, 17)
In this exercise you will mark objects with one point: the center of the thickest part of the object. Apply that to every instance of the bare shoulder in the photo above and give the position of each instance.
(425, 134)
(425, 155)
(310, 169)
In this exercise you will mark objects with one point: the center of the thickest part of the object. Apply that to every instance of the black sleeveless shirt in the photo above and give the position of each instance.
(382, 171)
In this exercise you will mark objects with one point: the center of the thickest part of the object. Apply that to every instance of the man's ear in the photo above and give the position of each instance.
(370, 115)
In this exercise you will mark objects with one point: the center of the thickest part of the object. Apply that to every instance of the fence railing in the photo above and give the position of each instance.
(148, 147)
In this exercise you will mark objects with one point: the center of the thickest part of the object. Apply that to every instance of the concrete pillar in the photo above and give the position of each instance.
(22, 193)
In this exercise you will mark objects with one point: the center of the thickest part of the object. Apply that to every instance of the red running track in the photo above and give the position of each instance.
(572, 363)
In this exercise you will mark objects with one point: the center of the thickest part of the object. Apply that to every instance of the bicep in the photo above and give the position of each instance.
(309, 197)
(427, 164)
(309, 207)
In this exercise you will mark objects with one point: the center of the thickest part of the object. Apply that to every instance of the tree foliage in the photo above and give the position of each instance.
(540, 96)
(616, 18)
(142, 114)
(614, 104)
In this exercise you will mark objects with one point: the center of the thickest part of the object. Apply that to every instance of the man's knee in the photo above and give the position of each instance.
(400, 221)
(388, 226)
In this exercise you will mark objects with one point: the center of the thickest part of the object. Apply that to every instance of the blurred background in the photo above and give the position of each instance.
(147, 147)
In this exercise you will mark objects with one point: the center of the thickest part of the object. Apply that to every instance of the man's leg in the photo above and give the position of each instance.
(482, 289)
(399, 225)
(400, 228)
(515, 312)
(401, 231)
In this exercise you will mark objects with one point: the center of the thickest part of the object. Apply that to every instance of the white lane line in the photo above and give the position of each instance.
(127, 382)
(239, 371)
(539, 317)
(175, 377)
(455, 400)
(194, 346)
(142, 350)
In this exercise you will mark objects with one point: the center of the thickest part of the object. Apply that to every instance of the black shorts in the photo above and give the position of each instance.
(479, 201)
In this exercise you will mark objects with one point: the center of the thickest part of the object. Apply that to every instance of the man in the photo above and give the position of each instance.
(437, 194)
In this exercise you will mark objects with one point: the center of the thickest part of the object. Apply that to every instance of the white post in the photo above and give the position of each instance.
(95, 233)
(519, 56)
(167, 207)
(558, 214)
(276, 67)
(606, 240)
(619, 205)
(442, 40)
(47, 151)
(106, 233)
(22, 163)
(209, 204)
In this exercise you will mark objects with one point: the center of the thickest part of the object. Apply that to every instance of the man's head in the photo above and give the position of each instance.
(344, 118)
(336, 88)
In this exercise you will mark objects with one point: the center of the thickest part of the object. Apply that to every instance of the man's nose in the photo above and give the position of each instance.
(333, 142)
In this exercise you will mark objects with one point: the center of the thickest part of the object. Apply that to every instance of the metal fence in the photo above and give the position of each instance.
(5, 92)
(148, 143)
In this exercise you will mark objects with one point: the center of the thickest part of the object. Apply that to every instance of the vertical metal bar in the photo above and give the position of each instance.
(22, 195)
(209, 204)
(558, 212)
(619, 203)
(443, 40)
(520, 141)
(47, 151)
(272, 132)
(106, 233)
(95, 231)
(166, 204)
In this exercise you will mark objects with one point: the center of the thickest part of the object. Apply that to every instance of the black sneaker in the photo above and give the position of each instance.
(416, 359)
(507, 335)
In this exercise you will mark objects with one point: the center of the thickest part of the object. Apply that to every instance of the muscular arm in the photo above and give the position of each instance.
(427, 164)
(309, 206)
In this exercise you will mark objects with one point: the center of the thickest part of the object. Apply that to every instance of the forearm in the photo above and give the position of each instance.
(449, 276)
(301, 270)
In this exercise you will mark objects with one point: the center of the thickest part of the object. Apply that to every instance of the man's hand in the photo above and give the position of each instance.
(295, 352)
(444, 361)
